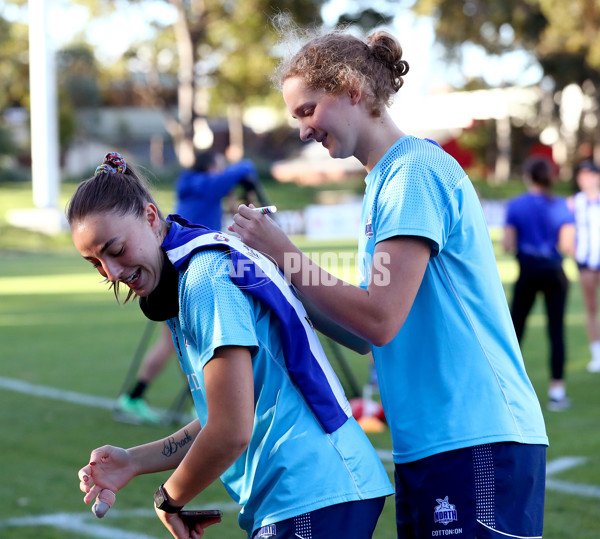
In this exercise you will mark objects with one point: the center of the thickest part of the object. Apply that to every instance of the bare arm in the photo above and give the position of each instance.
(566, 239)
(112, 467)
(509, 240)
(230, 399)
(165, 454)
(203, 454)
(375, 314)
(332, 330)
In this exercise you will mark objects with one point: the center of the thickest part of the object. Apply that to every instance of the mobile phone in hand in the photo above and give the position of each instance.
(192, 517)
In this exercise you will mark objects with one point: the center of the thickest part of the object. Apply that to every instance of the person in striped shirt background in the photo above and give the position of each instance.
(585, 206)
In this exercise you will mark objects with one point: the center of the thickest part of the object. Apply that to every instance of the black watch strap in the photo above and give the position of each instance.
(162, 502)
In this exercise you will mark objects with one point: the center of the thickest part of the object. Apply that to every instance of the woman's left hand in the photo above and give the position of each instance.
(109, 469)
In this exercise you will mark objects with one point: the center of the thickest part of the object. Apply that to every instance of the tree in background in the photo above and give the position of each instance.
(211, 57)
(240, 45)
(76, 78)
(219, 56)
(561, 35)
(14, 76)
(78, 74)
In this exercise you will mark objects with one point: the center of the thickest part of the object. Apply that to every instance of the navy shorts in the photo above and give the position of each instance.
(356, 520)
(484, 492)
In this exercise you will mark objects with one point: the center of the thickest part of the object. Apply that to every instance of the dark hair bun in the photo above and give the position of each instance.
(386, 49)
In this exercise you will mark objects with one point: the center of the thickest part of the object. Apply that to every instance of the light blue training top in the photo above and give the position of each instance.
(453, 376)
(292, 466)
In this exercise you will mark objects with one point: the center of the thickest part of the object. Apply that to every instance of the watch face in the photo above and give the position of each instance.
(162, 503)
(159, 497)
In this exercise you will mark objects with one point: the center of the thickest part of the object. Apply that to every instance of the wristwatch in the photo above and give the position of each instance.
(161, 501)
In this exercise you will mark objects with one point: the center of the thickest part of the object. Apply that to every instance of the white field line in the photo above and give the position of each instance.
(563, 463)
(74, 522)
(579, 489)
(87, 525)
(57, 394)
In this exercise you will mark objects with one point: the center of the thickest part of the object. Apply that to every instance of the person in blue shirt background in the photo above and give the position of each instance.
(539, 226)
(200, 191)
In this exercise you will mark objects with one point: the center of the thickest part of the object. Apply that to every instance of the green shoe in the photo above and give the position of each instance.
(135, 411)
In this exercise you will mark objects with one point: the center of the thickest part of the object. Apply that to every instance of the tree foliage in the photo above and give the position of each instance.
(561, 34)
(569, 46)
(217, 52)
(77, 75)
(215, 58)
(367, 19)
(14, 64)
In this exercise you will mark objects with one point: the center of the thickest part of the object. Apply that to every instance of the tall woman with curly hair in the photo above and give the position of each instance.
(468, 434)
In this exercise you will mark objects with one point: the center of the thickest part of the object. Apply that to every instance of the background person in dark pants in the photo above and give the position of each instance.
(539, 227)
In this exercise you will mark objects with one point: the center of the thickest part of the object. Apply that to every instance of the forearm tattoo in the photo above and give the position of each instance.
(171, 445)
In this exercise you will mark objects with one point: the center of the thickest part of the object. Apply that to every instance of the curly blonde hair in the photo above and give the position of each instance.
(337, 62)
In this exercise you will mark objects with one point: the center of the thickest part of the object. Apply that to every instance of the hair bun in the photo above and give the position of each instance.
(400, 68)
(116, 161)
(104, 167)
(386, 49)
(113, 163)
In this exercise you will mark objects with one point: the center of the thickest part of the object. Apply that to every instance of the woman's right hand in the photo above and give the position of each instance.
(261, 233)
(184, 530)
(110, 468)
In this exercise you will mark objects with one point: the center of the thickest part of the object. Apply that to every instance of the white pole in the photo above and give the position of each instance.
(44, 121)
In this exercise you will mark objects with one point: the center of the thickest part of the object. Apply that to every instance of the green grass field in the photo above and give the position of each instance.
(66, 346)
